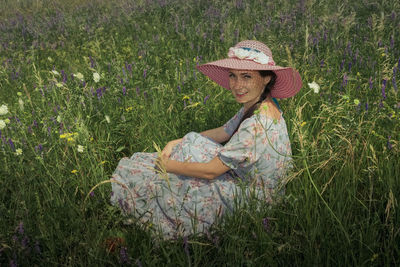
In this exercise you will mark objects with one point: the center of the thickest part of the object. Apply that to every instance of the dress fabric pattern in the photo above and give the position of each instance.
(258, 154)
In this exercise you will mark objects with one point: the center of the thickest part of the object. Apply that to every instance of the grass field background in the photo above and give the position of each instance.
(65, 129)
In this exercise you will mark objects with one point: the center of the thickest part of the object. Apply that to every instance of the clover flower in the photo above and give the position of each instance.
(2, 124)
(314, 86)
(79, 76)
(96, 77)
(80, 148)
(3, 109)
(18, 151)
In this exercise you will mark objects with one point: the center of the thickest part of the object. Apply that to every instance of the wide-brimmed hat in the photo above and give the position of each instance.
(253, 55)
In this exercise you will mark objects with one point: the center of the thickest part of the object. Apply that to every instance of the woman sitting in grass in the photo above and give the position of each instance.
(196, 179)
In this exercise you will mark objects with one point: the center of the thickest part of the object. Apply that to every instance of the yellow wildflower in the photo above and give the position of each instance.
(74, 171)
(129, 109)
(303, 123)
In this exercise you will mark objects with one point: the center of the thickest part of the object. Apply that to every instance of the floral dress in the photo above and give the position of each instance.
(258, 154)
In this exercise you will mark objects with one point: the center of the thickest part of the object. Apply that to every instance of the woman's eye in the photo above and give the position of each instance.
(231, 75)
(247, 76)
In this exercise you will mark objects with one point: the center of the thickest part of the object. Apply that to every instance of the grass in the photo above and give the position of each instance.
(340, 206)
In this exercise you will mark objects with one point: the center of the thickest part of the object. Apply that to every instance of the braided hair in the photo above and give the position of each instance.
(263, 96)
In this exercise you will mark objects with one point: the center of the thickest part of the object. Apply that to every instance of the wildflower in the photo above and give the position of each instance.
(107, 118)
(383, 89)
(314, 86)
(124, 90)
(205, 99)
(103, 162)
(265, 223)
(96, 77)
(185, 97)
(2, 124)
(303, 123)
(58, 118)
(3, 110)
(59, 85)
(129, 109)
(19, 94)
(79, 76)
(124, 257)
(356, 101)
(80, 148)
(18, 151)
(55, 72)
(74, 171)
(70, 139)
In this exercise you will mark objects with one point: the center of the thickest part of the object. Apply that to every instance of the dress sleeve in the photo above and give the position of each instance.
(246, 146)
(231, 125)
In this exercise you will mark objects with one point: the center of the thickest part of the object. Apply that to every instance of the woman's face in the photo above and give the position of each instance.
(247, 86)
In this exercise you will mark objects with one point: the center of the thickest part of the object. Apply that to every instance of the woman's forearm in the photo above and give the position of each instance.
(209, 170)
(192, 169)
(218, 134)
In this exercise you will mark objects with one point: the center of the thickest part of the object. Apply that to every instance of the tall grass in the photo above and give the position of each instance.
(64, 135)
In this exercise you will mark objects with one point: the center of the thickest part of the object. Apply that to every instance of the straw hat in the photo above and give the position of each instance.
(253, 55)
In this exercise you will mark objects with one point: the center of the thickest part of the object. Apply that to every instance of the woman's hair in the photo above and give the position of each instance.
(263, 96)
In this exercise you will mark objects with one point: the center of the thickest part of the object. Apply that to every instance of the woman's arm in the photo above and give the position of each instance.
(218, 134)
(209, 170)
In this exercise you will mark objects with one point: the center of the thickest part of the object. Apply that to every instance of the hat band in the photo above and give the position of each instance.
(250, 54)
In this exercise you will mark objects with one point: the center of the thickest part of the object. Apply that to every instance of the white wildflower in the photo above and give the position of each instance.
(58, 119)
(107, 118)
(55, 72)
(2, 124)
(96, 77)
(81, 148)
(314, 86)
(79, 76)
(18, 151)
(3, 110)
(21, 104)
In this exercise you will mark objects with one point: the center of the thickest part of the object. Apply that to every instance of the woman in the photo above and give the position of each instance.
(201, 178)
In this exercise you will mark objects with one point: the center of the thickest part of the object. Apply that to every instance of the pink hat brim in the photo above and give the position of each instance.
(288, 80)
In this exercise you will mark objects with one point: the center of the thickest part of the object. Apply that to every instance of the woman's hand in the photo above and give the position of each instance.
(166, 152)
(162, 160)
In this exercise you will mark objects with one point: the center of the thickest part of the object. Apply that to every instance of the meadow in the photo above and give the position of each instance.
(85, 83)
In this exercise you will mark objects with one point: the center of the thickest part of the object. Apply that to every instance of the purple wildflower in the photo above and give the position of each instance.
(137, 90)
(179, 88)
(124, 90)
(389, 145)
(145, 94)
(350, 64)
(370, 83)
(123, 71)
(205, 99)
(25, 241)
(20, 228)
(91, 62)
(144, 73)
(394, 83)
(366, 107)
(321, 64)
(99, 93)
(123, 255)
(383, 89)
(11, 144)
(265, 222)
(92, 194)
